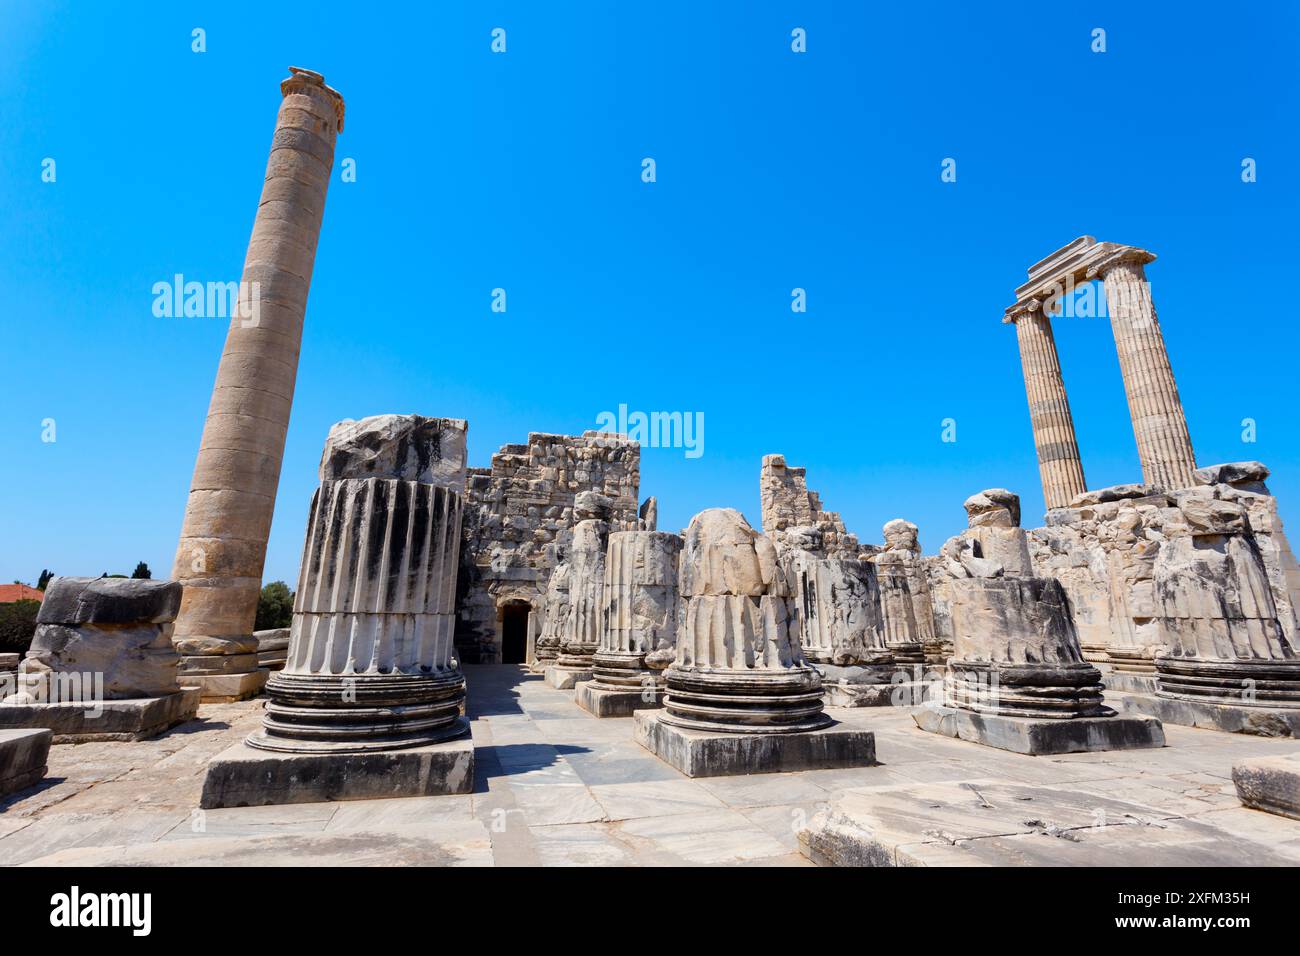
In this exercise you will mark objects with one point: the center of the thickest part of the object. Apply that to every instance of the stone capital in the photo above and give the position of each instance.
(1029, 307)
(1120, 256)
(304, 81)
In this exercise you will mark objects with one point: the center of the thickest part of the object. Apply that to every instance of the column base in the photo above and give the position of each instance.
(75, 722)
(23, 754)
(1034, 736)
(713, 754)
(1261, 721)
(871, 685)
(566, 678)
(1128, 682)
(616, 702)
(243, 776)
(1094, 653)
(1271, 784)
(913, 652)
(226, 688)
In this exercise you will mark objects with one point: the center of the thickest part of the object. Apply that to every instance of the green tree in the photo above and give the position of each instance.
(44, 579)
(274, 607)
(142, 571)
(17, 625)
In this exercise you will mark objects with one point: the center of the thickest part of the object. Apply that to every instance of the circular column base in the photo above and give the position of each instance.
(912, 652)
(1241, 683)
(745, 701)
(614, 670)
(1026, 690)
(338, 713)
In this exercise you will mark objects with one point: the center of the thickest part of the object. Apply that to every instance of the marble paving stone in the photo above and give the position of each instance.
(783, 823)
(62, 830)
(546, 804)
(462, 844)
(586, 729)
(764, 790)
(403, 811)
(706, 836)
(582, 844)
(618, 763)
(627, 801)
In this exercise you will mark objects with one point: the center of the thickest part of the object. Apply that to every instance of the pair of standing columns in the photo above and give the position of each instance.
(1159, 425)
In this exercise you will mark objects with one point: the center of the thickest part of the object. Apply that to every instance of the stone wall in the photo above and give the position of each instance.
(518, 523)
(789, 508)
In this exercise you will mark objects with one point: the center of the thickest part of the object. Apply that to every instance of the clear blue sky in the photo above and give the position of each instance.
(522, 171)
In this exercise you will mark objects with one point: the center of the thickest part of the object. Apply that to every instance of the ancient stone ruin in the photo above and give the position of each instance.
(102, 665)
(1017, 679)
(518, 527)
(732, 651)
(371, 667)
(740, 695)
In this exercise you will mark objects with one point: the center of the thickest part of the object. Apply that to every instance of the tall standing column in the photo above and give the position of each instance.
(1059, 464)
(228, 516)
(1159, 425)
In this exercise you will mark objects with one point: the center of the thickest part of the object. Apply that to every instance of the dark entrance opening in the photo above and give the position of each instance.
(514, 632)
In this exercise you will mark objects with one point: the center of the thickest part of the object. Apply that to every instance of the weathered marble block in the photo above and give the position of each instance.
(117, 631)
(1015, 648)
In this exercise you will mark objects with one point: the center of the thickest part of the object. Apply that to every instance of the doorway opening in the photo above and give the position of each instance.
(514, 632)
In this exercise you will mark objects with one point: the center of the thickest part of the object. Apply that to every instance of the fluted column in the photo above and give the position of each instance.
(581, 637)
(639, 634)
(1059, 464)
(640, 605)
(370, 663)
(1159, 425)
(232, 496)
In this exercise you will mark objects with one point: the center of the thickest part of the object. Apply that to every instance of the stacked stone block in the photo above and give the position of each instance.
(518, 523)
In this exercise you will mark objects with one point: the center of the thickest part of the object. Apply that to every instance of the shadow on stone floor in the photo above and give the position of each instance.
(491, 689)
(19, 796)
(524, 763)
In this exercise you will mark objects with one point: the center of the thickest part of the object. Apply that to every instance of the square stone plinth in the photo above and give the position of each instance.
(75, 722)
(566, 678)
(1271, 784)
(243, 776)
(23, 754)
(706, 754)
(614, 703)
(226, 688)
(1260, 721)
(1027, 735)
